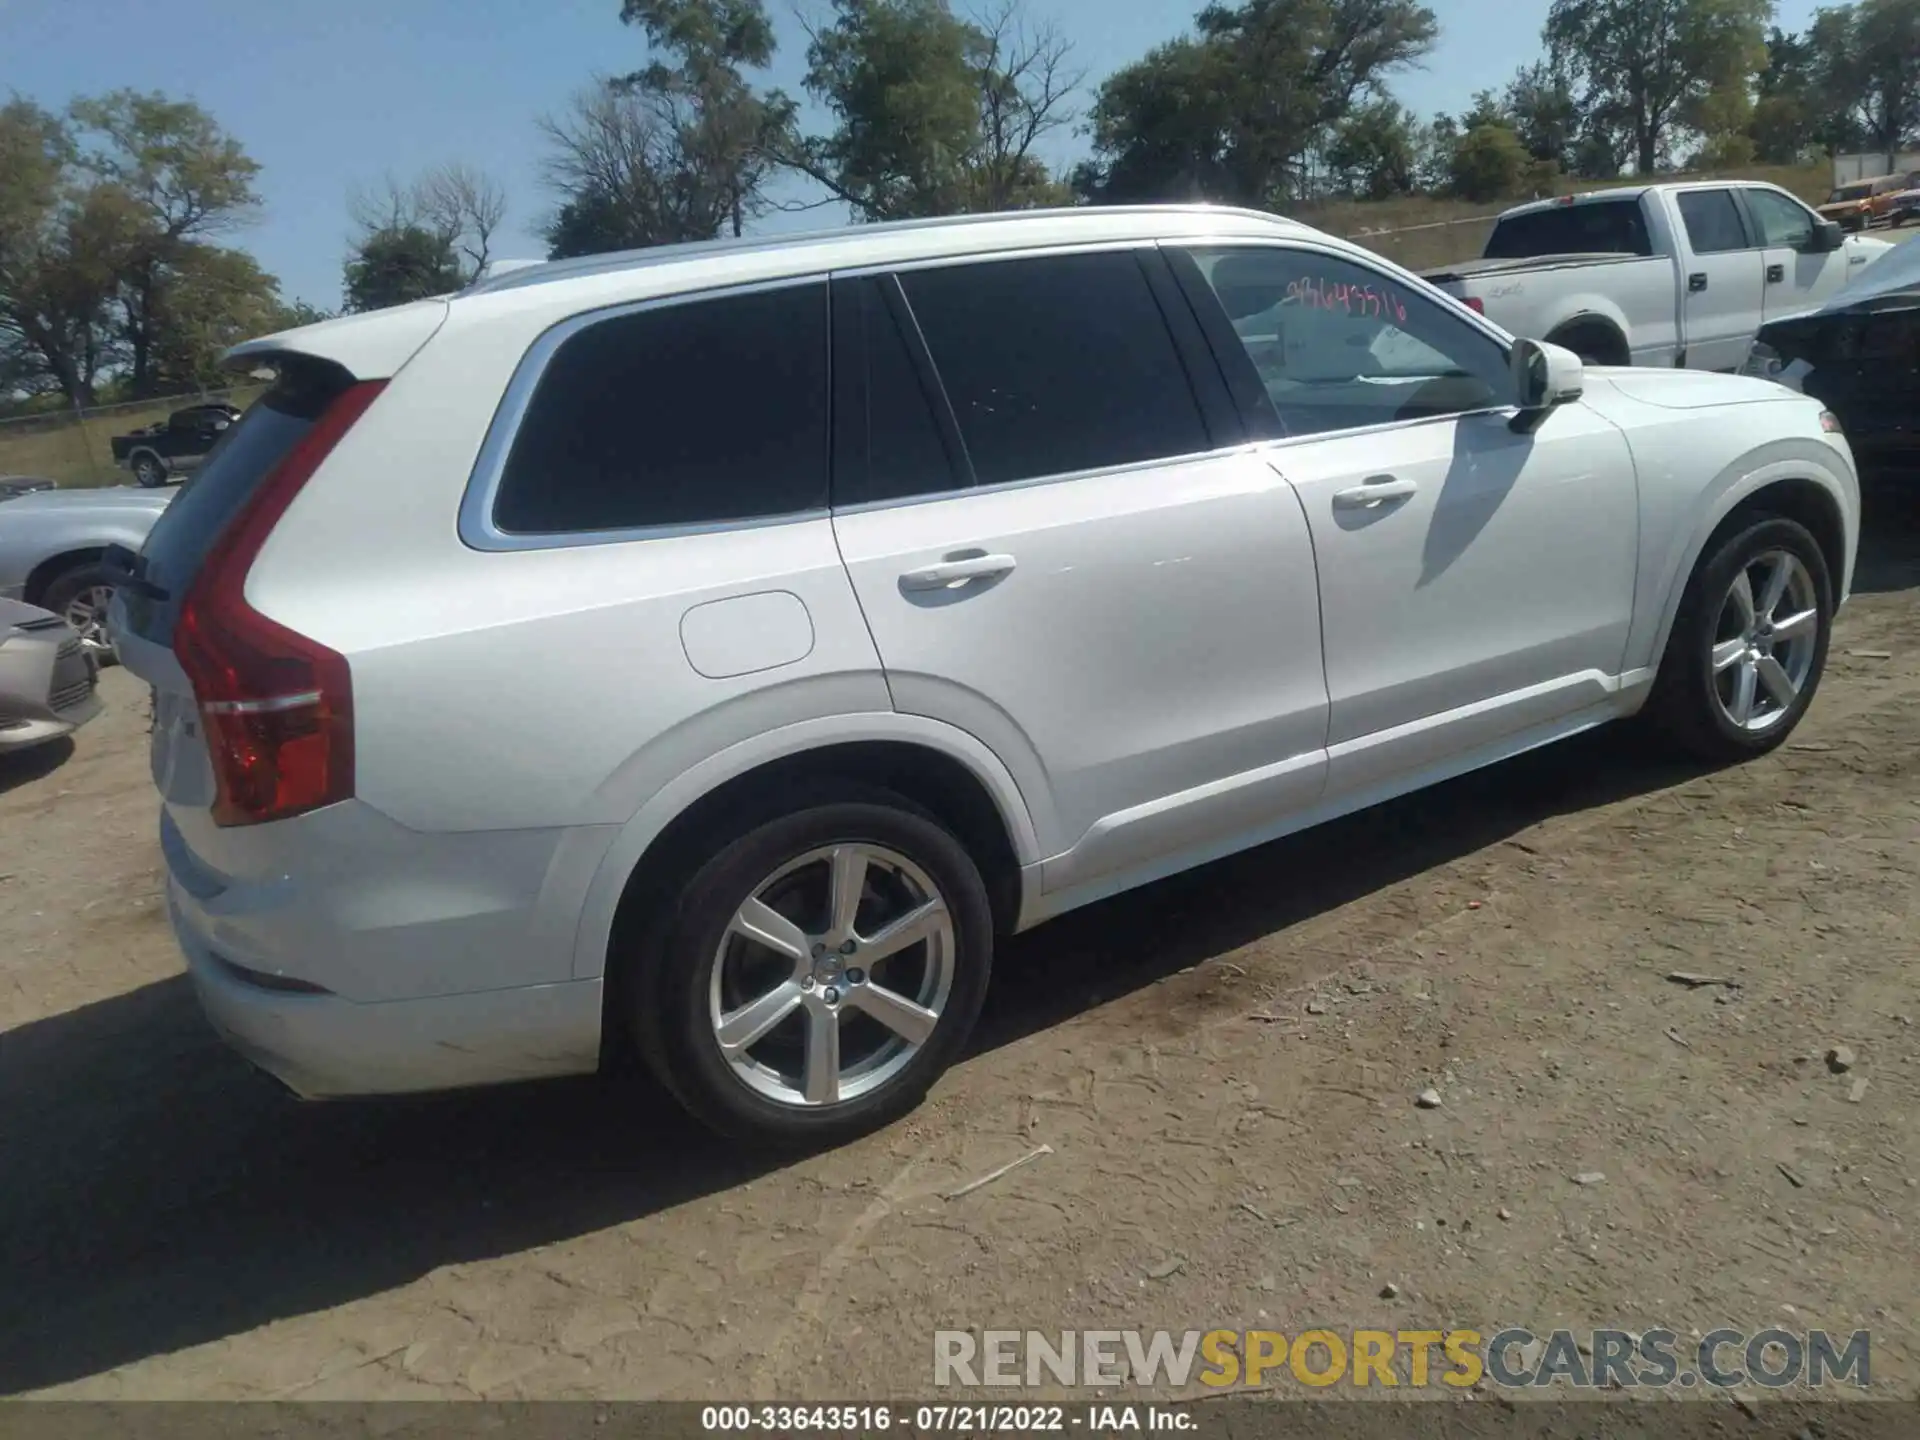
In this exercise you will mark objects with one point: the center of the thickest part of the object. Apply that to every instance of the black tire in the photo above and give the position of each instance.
(1685, 707)
(149, 470)
(1594, 344)
(670, 1015)
(62, 590)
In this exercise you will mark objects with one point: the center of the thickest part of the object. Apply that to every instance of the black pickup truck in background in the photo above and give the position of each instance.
(175, 445)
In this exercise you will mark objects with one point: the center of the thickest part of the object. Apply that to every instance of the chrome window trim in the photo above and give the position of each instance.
(476, 525)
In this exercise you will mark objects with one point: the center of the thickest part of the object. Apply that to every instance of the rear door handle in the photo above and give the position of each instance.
(1776, 273)
(956, 572)
(1696, 282)
(1376, 491)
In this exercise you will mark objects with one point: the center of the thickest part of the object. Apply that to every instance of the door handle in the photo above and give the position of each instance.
(956, 572)
(1776, 273)
(1696, 282)
(1376, 491)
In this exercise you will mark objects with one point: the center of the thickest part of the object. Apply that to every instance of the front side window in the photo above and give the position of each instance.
(1338, 346)
(699, 413)
(1056, 364)
(1712, 221)
(1781, 222)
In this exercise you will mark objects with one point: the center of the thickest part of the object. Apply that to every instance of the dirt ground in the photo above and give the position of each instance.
(1224, 1066)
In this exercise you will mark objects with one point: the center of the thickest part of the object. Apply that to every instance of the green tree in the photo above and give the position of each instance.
(1488, 163)
(1867, 57)
(1540, 105)
(396, 265)
(187, 181)
(1374, 151)
(934, 114)
(108, 266)
(1645, 70)
(1232, 112)
(728, 135)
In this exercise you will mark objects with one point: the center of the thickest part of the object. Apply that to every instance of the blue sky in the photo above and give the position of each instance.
(329, 94)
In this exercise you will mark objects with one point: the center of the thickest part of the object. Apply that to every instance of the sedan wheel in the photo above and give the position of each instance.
(818, 973)
(87, 613)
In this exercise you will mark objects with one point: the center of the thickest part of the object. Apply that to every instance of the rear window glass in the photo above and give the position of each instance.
(243, 457)
(697, 413)
(1601, 227)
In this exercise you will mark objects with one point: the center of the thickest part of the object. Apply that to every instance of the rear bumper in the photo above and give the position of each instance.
(322, 1046)
(349, 957)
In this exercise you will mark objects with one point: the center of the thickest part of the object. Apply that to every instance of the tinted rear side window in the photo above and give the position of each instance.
(1601, 227)
(245, 455)
(1713, 221)
(696, 413)
(1056, 364)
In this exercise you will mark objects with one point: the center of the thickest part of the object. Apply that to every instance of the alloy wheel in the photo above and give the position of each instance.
(86, 612)
(832, 975)
(1765, 641)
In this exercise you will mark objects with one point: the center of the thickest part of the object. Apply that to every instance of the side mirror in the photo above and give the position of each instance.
(1826, 238)
(1544, 376)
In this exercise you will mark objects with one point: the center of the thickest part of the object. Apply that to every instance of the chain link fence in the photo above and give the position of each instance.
(75, 446)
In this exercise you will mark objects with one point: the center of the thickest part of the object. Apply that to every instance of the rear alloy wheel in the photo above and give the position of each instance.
(1749, 644)
(148, 472)
(821, 972)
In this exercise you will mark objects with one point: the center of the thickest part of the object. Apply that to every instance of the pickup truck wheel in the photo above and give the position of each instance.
(81, 596)
(149, 470)
(1749, 643)
(818, 972)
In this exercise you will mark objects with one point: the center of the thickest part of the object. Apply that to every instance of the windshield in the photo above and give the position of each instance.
(1850, 192)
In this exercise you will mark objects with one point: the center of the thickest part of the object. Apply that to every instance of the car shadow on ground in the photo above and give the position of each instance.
(23, 767)
(1889, 534)
(156, 1193)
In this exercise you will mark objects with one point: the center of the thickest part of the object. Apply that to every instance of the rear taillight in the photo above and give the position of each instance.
(277, 707)
(1476, 304)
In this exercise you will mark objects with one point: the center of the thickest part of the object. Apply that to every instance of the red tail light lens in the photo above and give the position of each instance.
(1476, 304)
(276, 706)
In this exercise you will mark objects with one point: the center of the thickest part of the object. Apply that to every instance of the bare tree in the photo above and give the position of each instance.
(460, 206)
(626, 165)
(465, 203)
(1026, 92)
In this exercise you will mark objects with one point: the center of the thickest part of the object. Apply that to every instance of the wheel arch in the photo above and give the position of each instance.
(42, 576)
(1611, 328)
(1798, 490)
(943, 769)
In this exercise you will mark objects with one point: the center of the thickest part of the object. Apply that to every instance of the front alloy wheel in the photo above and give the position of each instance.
(1748, 644)
(1767, 636)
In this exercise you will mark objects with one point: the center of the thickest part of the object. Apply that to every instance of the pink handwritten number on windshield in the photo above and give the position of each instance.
(1318, 293)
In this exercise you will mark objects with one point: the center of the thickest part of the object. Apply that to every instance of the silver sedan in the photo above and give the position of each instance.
(53, 545)
(47, 677)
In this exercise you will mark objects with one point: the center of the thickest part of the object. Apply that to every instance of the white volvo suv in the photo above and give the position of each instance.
(714, 649)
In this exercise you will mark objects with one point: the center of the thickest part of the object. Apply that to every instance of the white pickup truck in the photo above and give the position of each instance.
(1675, 274)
